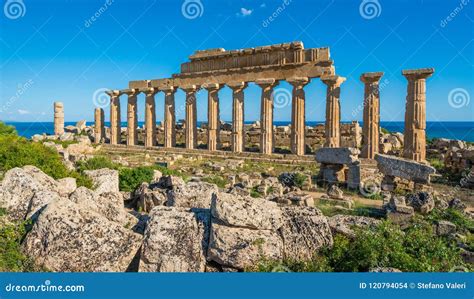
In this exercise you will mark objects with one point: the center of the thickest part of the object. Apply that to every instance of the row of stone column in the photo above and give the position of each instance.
(266, 142)
(415, 114)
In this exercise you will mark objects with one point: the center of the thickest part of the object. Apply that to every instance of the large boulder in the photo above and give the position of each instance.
(337, 155)
(345, 224)
(175, 240)
(305, 230)
(403, 168)
(422, 202)
(148, 198)
(66, 186)
(192, 195)
(247, 212)
(47, 182)
(70, 237)
(105, 180)
(240, 247)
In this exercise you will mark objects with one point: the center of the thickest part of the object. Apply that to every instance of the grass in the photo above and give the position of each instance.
(255, 193)
(217, 180)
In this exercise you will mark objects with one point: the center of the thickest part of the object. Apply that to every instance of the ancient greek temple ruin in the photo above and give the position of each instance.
(265, 66)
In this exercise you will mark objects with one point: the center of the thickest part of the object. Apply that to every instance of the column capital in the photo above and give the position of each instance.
(114, 93)
(417, 74)
(130, 91)
(189, 88)
(372, 77)
(266, 83)
(237, 85)
(212, 86)
(150, 91)
(298, 81)
(168, 89)
(333, 80)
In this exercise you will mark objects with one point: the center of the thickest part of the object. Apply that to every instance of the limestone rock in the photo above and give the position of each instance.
(66, 186)
(422, 202)
(174, 241)
(385, 269)
(39, 200)
(344, 224)
(403, 168)
(335, 192)
(457, 204)
(192, 195)
(338, 155)
(246, 211)
(69, 237)
(47, 182)
(105, 180)
(304, 231)
(239, 248)
(147, 198)
(445, 228)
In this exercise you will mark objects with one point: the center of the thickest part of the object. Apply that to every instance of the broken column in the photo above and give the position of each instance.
(266, 117)
(170, 117)
(339, 165)
(213, 121)
(191, 117)
(371, 118)
(333, 110)
(297, 138)
(58, 118)
(132, 118)
(99, 129)
(415, 114)
(150, 117)
(238, 116)
(115, 133)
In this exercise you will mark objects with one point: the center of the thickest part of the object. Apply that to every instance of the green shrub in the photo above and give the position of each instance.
(96, 162)
(131, 178)
(215, 179)
(299, 179)
(437, 164)
(463, 223)
(255, 193)
(7, 130)
(17, 152)
(384, 131)
(12, 258)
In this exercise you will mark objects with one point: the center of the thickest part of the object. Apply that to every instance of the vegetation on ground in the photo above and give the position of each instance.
(215, 179)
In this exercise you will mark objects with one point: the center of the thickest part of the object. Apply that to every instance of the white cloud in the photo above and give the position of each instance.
(244, 12)
(23, 112)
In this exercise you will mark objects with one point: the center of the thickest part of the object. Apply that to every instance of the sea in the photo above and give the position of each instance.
(434, 129)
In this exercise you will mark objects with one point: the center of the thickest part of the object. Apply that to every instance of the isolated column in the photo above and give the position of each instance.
(213, 122)
(58, 118)
(191, 117)
(371, 117)
(297, 138)
(114, 116)
(238, 144)
(99, 129)
(333, 110)
(170, 117)
(132, 117)
(414, 146)
(150, 117)
(266, 116)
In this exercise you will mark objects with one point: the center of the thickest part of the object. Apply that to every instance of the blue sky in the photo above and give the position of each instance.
(55, 51)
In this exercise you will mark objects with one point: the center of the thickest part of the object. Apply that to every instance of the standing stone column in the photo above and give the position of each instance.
(213, 121)
(170, 117)
(371, 118)
(238, 134)
(99, 129)
(297, 138)
(58, 118)
(414, 146)
(333, 110)
(132, 117)
(266, 116)
(115, 131)
(191, 117)
(150, 117)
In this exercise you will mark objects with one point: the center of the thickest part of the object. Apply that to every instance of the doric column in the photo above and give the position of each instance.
(99, 129)
(150, 117)
(297, 138)
(114, 116)
(213, 122)
(371, 117)
(266, 115)
(58, 118)
(414, 146)
(170, 117)
(238, 136)
(132, 117)
(333, 110)
(191, 116)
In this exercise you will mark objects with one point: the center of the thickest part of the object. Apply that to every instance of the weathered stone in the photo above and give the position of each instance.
(344, 224)
(69, 237)
(192, 195)
(105, 180)
(147, 199)
(246, 211)
(444, 228)
(385, 270)
(335, 192)
(304, 231)
(406, 169)
(66, 186)
(39, 200)
(340, 155)
(333, 110)
(371, 114)
(422, 202)
(58, 118)
(457, 204)
(174, 241)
